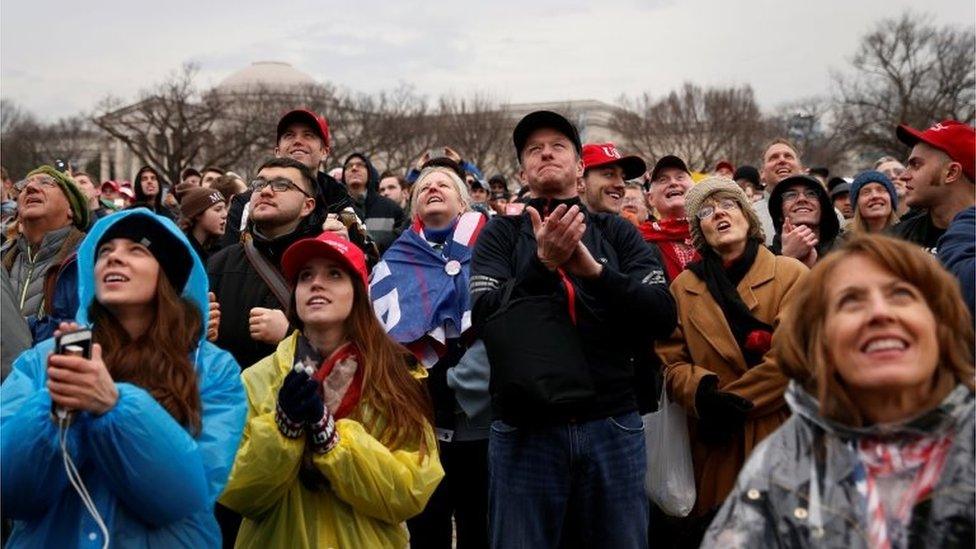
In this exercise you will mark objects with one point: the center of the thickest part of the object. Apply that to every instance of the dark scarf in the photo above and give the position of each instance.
(751, 334)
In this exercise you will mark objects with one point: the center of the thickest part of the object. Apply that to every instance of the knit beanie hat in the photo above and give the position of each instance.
(697, 195)
(77, 200)
(197, 200)
(872, 176)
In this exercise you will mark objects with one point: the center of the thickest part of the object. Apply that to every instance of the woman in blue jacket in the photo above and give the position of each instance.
(157, 410)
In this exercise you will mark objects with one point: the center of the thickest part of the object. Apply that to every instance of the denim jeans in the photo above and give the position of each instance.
(571, 485)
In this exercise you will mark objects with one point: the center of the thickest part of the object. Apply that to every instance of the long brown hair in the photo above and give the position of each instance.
(401, 400)
(158, 360)
(802, 348)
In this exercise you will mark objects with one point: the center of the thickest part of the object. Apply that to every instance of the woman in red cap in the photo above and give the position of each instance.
(338, 449)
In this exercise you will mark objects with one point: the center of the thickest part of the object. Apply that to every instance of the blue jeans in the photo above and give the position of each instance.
(572, 485)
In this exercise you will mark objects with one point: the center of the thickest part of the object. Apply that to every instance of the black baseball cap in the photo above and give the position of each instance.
(668, 161)
(544, 119)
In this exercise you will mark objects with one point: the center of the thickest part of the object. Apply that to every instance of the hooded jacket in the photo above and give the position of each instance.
(372, 488)
(829, 225)
(798, 487)
(153, 483)
(383, 217)
(143, 201)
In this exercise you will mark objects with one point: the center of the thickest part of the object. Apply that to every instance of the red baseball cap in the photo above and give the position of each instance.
(601, 154)
(952, 137)
(305, 116)
(329, 245)
(724, 164)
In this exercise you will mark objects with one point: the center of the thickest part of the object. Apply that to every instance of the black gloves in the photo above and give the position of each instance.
(298, 403)
(720, 414)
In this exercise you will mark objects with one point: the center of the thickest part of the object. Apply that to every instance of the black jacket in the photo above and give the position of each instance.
(618, 314)
(920, 230)
(239, 288)
(384, 218)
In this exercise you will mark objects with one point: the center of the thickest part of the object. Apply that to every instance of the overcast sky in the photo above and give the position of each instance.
(59, 58)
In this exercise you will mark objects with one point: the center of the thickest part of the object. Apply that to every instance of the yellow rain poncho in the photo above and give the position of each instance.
(372, 491)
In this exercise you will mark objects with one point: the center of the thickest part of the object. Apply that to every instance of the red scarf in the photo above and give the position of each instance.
(341, 376)
(885, 458)
(673, 238)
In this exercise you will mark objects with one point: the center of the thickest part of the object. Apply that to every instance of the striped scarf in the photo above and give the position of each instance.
(921, 460)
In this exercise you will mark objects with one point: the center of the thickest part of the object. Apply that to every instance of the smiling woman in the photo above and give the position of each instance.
(879, 346)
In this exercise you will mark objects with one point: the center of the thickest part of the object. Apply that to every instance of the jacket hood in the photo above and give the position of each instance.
(829, 226)
(953, 409)
(196, 286)
(373, 180)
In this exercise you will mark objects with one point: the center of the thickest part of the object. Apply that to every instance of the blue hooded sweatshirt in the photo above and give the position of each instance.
(153, 483)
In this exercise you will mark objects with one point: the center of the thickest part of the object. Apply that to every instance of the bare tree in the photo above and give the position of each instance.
(810, 124)
(176, 125)
(478, 129)
(906, 70)
(700, 125)
(26, 142)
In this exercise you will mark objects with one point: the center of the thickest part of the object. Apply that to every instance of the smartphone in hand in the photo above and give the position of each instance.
(78, 343)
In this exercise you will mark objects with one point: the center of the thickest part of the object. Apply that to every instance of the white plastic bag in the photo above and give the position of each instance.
(670, 477)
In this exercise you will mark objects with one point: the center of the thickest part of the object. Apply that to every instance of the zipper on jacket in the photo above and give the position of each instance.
(27, 280)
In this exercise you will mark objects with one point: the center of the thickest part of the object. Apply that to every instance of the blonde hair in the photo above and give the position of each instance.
(802, 347)
(462, 188)
(858, 225)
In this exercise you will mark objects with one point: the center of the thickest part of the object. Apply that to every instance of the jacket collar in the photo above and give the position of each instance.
(763, 270)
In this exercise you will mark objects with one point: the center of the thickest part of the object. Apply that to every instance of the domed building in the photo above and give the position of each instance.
(259, 87)
(264, 76)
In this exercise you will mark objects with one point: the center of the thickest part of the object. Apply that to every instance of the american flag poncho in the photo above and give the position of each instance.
(420, 291)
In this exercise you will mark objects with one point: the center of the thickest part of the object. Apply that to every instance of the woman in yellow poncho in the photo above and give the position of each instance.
(338, 450)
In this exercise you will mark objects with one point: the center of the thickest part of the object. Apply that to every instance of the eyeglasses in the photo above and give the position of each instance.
(790, 196)
(726, 205)
(43, 181)
(278, 185)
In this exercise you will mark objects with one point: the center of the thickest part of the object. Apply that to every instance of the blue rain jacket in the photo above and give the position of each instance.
(153, 483)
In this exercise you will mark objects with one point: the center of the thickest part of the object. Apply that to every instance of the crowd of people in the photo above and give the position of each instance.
(364, 358)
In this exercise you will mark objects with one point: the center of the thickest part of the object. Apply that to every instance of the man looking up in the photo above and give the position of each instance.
(384, 219)
(53, 213)
(244, 276)
(671, 233)
(609, 297)
(780, 160)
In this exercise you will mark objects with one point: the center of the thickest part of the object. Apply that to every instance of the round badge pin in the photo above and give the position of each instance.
(453, 267)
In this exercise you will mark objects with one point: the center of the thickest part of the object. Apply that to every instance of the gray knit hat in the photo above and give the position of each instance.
(707, 187)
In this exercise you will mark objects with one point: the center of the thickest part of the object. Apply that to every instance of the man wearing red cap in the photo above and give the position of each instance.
(604, 173)
(304, 136)
(938, 178)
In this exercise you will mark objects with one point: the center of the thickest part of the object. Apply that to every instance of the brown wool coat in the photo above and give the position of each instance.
(703, 344)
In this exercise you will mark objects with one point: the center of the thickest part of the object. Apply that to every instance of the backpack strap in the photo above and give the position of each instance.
(271, 276)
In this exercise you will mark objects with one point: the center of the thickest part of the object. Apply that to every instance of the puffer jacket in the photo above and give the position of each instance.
(798, 487)
(151, 480)
(372, 488)
(29, 265)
